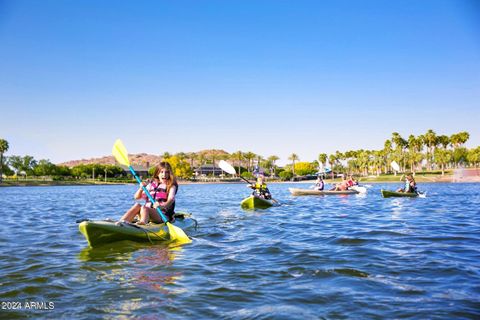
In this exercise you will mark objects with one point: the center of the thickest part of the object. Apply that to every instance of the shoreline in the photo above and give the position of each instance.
(419, 179)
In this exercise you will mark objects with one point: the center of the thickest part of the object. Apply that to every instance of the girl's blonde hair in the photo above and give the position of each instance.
(172, 180)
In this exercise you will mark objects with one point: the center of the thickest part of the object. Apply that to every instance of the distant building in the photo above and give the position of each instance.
(208, 169)
(141, 171)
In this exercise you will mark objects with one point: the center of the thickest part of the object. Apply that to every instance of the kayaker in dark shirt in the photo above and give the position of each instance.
(319, 184)
(410, 185)
(260, 188)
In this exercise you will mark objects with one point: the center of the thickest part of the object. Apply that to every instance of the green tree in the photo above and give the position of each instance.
(457, 140)
(293, 157)
(238, 158)
(24, 164)
(333, 160)
(473, 156)
(3, 148)
(460, 155)
(44, 168)
(322, 158)
(249, 156)
(442, 157)
(65, 171)
(400, 145)
(430, 141)
(272, 160)
(387, 151)
(414, 152)
(285, 175)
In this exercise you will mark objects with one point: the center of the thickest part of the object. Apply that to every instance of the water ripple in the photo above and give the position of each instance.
(310, 258)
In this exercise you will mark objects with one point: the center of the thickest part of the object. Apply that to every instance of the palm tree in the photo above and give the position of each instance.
(414, 154)
(3, 148)
(332, 159)
(430, 140)
(239, 157)
(294, 157)
(442, 157)
(192, 156)
(181, 155)
(387, 150)
(249, 156)
(273, 159)
(322, 158)
(166, 155)
(400, 144)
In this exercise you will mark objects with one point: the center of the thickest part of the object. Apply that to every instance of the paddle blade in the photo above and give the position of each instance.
(359, 189)
(177, 234)
(227, 167)
(395, 166)
(120, 153)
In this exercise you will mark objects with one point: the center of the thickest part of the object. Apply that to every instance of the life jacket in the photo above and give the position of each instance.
(261, 187)
(410, 188)
(158, 192)
(319, 185)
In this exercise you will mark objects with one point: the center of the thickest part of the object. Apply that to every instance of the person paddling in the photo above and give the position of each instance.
(319, 184)
(260, 188)
(410, 185)
(342, 186)
(162, 188)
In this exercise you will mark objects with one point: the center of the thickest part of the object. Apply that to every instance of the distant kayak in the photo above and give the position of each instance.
(254, 202)
(99, 232)
(388, 194)
(309, 192)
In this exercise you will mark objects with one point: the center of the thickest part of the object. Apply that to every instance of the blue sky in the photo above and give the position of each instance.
(271, 77)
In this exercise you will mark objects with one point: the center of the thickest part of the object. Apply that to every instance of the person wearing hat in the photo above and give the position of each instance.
(260, 188)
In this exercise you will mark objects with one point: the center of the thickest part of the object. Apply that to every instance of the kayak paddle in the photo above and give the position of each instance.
(227, 167)
(359, 189)
(395, 166)
(121, 155)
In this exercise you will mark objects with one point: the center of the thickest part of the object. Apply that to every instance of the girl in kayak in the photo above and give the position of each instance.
(260, 188)
(410, 185)
(162, 188)
(319, 184)
(351, 181)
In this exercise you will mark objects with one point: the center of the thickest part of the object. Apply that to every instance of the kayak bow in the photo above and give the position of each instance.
(254, 202)
(99, 232)
(388, 194)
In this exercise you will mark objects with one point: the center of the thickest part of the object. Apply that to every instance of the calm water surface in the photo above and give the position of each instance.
(357, 256)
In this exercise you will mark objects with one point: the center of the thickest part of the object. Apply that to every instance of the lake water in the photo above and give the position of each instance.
(354, 256)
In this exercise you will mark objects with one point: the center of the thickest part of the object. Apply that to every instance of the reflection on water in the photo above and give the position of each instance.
(151, 262)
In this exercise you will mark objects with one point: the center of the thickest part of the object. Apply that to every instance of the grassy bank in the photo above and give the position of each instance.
(419, 177)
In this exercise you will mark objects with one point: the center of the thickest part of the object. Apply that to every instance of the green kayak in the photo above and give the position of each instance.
(388, 194)
(100, 232)
(254, 202)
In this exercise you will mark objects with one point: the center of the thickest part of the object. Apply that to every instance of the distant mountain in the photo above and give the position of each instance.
(144, 158)
(135, 159)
